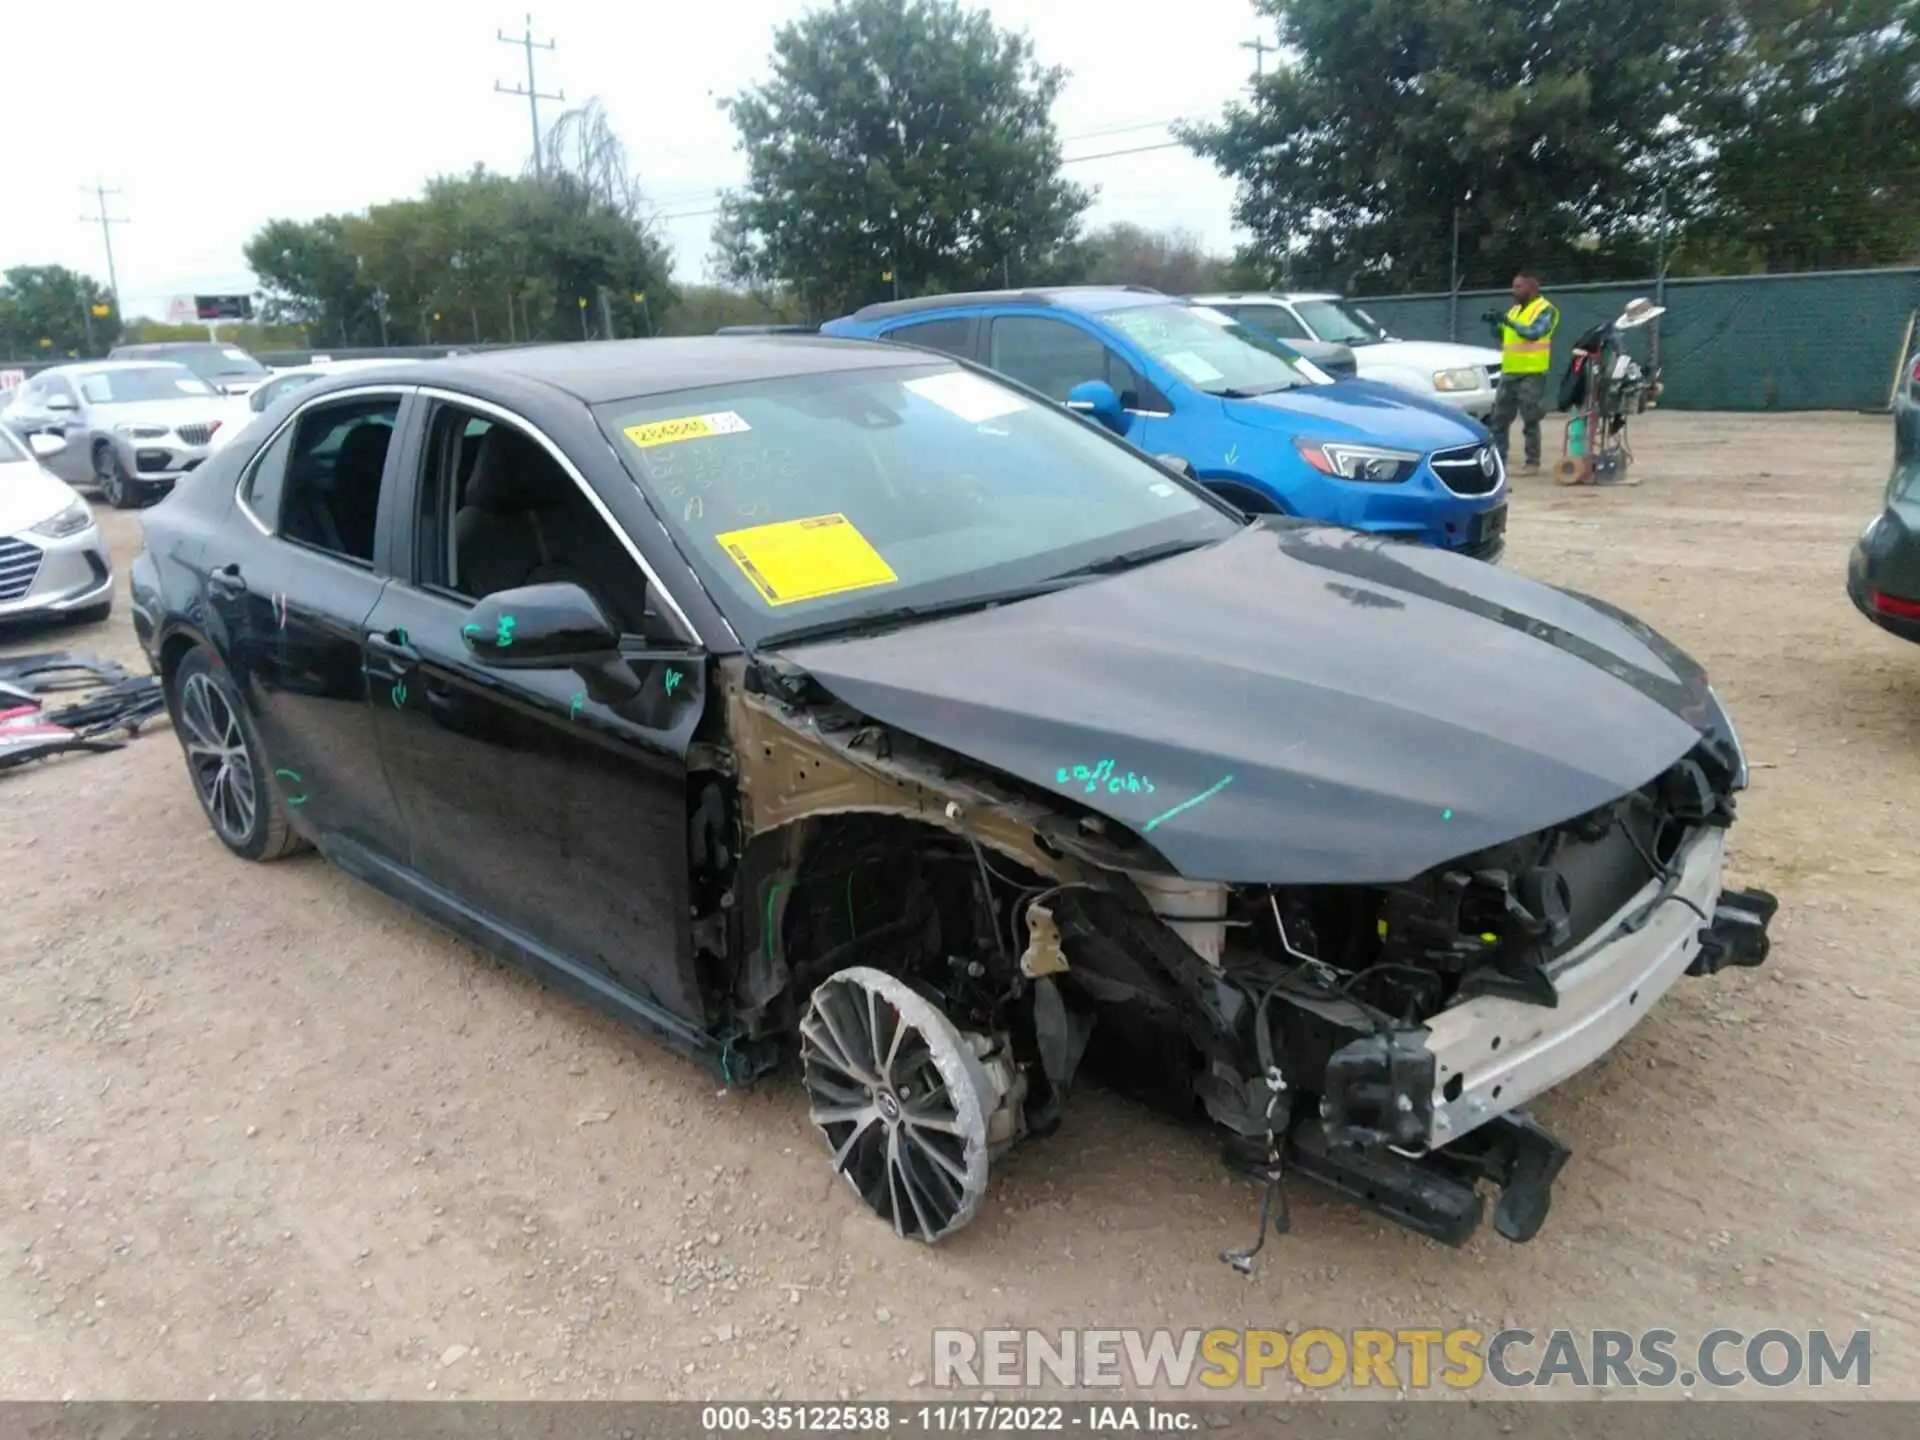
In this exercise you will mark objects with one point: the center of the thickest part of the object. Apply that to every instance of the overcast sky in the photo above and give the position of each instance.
(211, 117)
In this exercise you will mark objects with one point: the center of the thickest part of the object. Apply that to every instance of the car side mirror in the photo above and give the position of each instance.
(45, 446)
(257, 401)
(1100, 400)
(61, 402)
(551, 627)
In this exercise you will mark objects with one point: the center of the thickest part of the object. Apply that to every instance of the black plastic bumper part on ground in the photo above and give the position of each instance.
(1737, 932)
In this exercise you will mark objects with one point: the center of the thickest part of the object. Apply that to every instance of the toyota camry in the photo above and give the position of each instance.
(839, 710)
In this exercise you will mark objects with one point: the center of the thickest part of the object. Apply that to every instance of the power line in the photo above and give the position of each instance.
(106, 223)
(531, 89)
(681, 194)
(1070, 160)
(1260, 50)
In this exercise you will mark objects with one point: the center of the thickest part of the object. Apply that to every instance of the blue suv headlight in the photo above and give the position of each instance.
(1346, 460)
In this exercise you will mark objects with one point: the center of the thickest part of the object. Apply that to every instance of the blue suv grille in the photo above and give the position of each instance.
(1468, 469)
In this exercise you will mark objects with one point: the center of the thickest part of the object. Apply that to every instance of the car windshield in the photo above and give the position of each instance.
(814, 503)
(1208, 349)
(148, 382)
(1341, 322)
(224, 363)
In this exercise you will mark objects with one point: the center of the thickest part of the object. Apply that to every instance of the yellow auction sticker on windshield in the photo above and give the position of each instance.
(686, 427)
(794, 560)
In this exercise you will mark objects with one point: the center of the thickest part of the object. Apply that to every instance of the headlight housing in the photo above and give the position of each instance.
(1449, 381)
(1348, 460)
(70, 521)
(142, 432)
(1740, 775)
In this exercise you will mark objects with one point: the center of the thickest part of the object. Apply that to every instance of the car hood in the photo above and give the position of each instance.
(1428, 355)
(187, 410)
(28, 495)
(1358, 410)
(1297, 704)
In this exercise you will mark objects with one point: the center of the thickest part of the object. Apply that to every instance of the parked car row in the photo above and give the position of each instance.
(1256, 423)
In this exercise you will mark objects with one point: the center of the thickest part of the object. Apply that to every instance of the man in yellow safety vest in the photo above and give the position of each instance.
(1526, 357)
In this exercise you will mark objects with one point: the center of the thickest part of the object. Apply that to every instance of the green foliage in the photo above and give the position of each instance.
(46, 312)
(1817, 134)
(1587, 139)
(909, 139)
(478, 257)
(703, 309)
(249, 336)
(1169, 260)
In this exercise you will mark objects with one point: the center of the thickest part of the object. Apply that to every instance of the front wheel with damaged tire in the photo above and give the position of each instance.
(903, 1099)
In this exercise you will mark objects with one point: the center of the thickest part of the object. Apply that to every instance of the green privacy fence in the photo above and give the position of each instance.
(1823, 341)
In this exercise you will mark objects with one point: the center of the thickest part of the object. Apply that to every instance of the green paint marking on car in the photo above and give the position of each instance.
(674, 677)
(503, 636)
(573, 705)
(1206, 794)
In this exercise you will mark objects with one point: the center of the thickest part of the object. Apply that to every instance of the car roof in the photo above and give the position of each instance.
(1089, 298)
(601, 370)
(162, 347)
(1271, 297)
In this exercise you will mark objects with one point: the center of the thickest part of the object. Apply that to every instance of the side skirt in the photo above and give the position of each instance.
(737, 1065)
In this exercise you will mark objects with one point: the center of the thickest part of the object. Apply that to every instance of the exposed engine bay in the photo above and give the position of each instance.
(954, 950)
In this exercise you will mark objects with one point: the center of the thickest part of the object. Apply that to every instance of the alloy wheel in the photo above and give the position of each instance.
(217, 757)
(107, 475)
(901, 1099)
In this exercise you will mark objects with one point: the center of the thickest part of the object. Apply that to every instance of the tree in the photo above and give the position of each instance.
(900, 147)
(312, 278)
(1816, 131)
(479, 256)
(1551, 128)
(49, 310)
(1169, 260)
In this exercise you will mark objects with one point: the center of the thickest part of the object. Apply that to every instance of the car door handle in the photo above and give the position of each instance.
(388, 645)
(226, 582)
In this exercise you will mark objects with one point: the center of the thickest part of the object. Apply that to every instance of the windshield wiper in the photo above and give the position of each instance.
(875, 621)
(1131, 559)
(1250, 392)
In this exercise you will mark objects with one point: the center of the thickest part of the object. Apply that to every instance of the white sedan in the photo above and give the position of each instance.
(53, 559)
(1464, 377)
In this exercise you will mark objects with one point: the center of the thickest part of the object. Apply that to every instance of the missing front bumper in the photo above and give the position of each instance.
(1412, 1121)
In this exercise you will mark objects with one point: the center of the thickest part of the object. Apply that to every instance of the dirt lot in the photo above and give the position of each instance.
(266, 1134)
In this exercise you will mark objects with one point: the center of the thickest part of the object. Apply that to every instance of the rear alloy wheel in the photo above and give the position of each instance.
(228, 768)
(902, 1100)
(111, 478)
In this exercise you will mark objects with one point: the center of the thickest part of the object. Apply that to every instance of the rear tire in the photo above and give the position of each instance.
(111, 478)
(232, 777)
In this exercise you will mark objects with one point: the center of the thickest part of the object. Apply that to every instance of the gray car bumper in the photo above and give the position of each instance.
(39, 576)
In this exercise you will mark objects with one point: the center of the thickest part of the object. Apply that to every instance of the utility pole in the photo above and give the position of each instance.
(106, 223)
(1260, 50)
(531, 90)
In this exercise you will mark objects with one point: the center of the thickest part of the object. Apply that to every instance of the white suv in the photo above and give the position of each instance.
(1464, 377)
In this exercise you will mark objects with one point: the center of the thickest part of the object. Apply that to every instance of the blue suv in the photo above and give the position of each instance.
(1259, 425)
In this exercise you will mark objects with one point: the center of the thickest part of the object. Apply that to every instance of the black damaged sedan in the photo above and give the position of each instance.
(835, 709)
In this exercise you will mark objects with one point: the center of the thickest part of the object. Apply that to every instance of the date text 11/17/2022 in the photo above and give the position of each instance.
(957, 1418)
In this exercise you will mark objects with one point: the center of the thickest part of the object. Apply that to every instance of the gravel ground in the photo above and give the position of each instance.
(267, 1134)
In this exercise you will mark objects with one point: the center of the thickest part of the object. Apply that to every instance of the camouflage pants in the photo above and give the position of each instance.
(1525, 396)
